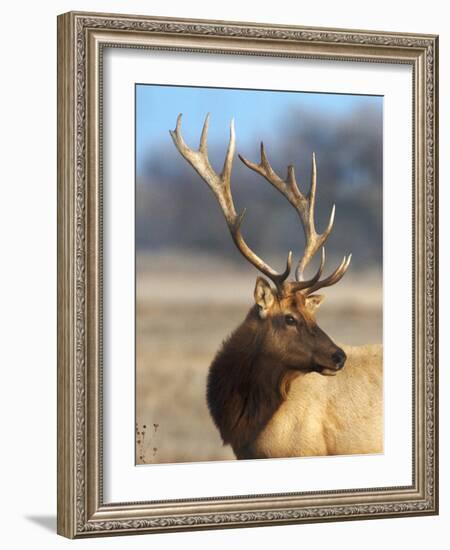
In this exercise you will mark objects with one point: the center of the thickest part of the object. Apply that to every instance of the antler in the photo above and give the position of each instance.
(304, 205)
(220, 186)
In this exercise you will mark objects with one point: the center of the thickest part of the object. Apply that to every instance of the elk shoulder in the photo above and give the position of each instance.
(330, 415)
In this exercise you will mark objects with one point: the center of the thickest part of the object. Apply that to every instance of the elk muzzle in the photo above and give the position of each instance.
(339, 358)
(332, 363)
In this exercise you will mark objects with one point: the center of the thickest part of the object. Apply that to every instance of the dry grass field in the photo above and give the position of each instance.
(185, 307)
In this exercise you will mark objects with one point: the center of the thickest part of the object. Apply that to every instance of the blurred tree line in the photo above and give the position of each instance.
(176, 211)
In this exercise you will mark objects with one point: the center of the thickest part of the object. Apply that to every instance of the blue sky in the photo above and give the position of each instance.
(256, 112)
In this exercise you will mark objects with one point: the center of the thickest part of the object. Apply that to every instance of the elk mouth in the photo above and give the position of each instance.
(325, 371)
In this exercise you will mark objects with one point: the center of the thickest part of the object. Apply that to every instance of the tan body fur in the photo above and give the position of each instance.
(330, 415)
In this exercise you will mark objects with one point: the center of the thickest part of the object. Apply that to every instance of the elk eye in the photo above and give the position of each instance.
(290, 320)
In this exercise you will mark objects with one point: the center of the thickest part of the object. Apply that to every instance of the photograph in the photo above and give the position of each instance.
(223, 238)
(247, 283)
(259, 305)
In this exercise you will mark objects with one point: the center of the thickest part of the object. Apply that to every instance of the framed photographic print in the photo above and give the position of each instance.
(247, 288)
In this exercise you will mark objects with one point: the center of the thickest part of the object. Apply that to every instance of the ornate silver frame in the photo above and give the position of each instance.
(81, 38)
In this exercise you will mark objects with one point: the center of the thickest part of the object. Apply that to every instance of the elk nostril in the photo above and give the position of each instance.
(339, 358)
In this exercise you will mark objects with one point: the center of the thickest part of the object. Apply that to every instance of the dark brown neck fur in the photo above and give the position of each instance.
(245, 386)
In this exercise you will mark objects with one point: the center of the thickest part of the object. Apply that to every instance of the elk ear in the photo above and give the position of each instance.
(264, 296)
(313, 302)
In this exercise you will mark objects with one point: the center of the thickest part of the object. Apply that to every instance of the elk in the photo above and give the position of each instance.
(278, 387)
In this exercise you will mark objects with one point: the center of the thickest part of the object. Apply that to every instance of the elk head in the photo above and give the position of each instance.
(286, 310)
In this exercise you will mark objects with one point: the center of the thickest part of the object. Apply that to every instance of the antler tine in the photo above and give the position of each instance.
(203, 147)
(265, 169)
(304, 206)
(314, 240)
(228, 162)
(220, 186)
(332, 279)
(302, 285)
